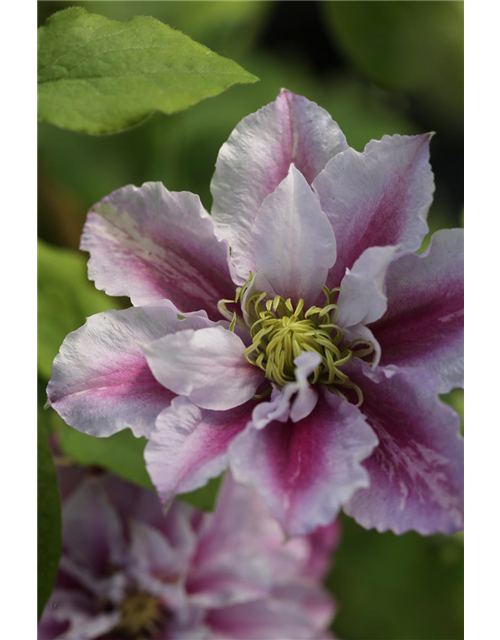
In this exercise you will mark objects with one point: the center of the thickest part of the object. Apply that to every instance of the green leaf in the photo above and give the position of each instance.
(65, 299)
(49, 518)
(413, 47)
(231, 27)
(205, 497)
(121, 454)
(97, 75)
(404, 587)
(455, 399)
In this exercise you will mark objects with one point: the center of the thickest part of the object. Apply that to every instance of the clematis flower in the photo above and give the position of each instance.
(129, 572)
(292, 335)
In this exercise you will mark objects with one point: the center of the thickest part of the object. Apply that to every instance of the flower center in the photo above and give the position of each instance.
(281, 331)
(141, 616)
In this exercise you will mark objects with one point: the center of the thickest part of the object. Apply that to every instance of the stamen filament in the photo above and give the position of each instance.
(281, 331)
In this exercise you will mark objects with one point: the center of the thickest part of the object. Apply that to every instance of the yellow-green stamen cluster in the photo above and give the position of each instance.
(281, 331)
(141, 616)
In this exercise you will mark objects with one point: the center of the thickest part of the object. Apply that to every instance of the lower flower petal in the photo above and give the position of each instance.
(186, 629)
(310, 597)
(306, 470)
(101, 382)
(266, 619)
(208, 366)
(71, 620)
(240, 520)
(189, 445)
(424, 325)
(240, 576)
(323, 541)
(92, 532)
(416, 472)
(153, 561)
(132, 502)
(242, 553)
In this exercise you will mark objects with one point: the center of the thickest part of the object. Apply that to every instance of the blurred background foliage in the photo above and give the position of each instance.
(377, 67)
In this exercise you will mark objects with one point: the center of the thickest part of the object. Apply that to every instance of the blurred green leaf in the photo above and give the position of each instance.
(456, 400)
(180, 151)
(49, 518)
(413, 47)
(217, 24)
(100, 76)
(122, 453)
(390, 587)
(205, 497)
(65, 299)
(441, 216)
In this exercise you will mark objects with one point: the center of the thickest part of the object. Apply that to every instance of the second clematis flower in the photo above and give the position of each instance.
(292, 335)
(127, 572)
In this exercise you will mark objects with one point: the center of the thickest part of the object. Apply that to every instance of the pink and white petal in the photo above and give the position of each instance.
(362, 298)
(101, 382)
(305, 471)
(49, 628)
(323, 541)
(181, 528)
(300, 394)
(360, 332)
(242, 576)
(112, 586)
(278, 408)
(423, 326)
(68, 477)
(257, 157)
(265, 619)
(175, 631)
(240, 520)
(149, 244)
(207, 366)
(185, 630)
(155, 567)
(293, 240)
(152, 559)
(74, 615)
(242, 552)
(95, 626)
(376, 198)
(416, 472)
(92, 531)
(308, 596)
(258, 284)
(296, 400)
(189, 445)
(132, 502)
